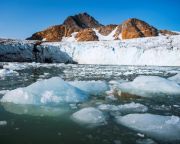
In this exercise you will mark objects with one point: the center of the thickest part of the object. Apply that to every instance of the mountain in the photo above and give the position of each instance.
(81, 21)
(83, 27)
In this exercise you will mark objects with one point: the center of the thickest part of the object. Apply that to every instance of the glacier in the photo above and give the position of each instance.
(165, 128)
(157, 51)
(22, 51)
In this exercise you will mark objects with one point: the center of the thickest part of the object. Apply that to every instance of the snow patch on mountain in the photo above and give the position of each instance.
(109, 37)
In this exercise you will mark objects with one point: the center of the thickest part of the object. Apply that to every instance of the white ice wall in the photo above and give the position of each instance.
(161, 51)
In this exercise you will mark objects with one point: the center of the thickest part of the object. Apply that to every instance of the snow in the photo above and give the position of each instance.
(70, 39)
(91, 87)
(175, 78)
(7, 72)
(50, 91)
(165, 128)
(126, 108)
(109, 37)
(148, 86)
(3, 123)
(89, 116)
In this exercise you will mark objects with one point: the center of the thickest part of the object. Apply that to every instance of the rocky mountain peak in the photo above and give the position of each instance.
(88, 28)
(82, 20)
(135, 28)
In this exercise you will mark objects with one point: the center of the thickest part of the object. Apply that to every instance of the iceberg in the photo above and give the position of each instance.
(165, 128)
(91, 87)
(126, 108)
(147, 86)
(89, 116)
(50, 91)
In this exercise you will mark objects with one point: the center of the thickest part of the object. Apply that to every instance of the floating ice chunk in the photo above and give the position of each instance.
(132, 107)
(146, 86)
(91, 87)
(166, 128)
(34, 110)
(49, 91)
(89, 116)
(3, 123)
(175, 78)
(126, 108)
(145, 141)
(14, 66)
(108, 107)
(3, 92)
(7, 72)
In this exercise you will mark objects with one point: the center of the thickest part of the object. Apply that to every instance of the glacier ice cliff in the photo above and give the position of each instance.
(159, 51)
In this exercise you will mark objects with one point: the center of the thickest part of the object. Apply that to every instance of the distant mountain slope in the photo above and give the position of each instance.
(83, 27)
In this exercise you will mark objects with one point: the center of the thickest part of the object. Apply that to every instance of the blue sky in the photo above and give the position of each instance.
(21, 18)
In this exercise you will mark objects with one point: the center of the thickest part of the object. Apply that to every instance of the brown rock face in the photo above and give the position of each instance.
(134, 28)
(54, 33)
(106, 30)
(86, 35)
(70, 25)
(166, 32)
(83, 24)
(81, 21)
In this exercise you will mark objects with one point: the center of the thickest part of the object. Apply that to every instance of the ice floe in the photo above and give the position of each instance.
(50, 91)
(145, 141)
(15, 66)
(7, 72)
(91, 87)
(3, 92)
(175, 78)
(147, 86)
(125, 108)
(165, 128)
(89, 116)
(3, 123)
